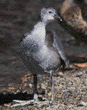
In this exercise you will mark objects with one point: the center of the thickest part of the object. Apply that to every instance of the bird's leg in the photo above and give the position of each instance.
(52, 87)
(35, 98)
(35, 88)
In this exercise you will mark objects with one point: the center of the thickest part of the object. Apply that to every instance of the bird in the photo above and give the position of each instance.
(73, 12)
(42, 52)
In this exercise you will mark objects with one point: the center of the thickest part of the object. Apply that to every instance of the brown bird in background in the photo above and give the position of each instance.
(74, 13)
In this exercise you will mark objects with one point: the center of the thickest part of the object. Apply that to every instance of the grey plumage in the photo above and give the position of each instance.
(40, 59)
(40, 50)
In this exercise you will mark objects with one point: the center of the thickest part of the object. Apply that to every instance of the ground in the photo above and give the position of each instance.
(70, 86)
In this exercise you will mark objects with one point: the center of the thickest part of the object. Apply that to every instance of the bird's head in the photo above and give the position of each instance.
(48, 15)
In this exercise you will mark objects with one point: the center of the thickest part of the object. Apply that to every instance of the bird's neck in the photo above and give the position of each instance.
(39, 29)
(46, 22)
(40, 24)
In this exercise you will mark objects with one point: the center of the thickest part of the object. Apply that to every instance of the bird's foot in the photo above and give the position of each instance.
(29, 102)
(22, 103)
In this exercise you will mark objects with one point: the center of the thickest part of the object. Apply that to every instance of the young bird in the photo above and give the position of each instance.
(41, 52)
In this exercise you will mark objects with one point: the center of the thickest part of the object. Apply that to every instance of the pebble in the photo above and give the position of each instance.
(82, 103)
(43, 86)
(30, 85)
(61, 74)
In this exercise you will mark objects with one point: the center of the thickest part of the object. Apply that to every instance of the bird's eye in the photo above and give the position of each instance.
(50, 11)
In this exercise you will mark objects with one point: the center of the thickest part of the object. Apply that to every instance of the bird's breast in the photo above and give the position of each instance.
(47, 57)
(39, 36)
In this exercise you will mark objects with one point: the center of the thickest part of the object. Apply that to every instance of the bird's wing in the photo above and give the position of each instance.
(58, 44)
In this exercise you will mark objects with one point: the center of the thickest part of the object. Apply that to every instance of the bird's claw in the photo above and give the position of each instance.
(22, 103)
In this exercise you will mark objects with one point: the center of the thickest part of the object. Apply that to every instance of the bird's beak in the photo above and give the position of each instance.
(57, 17)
